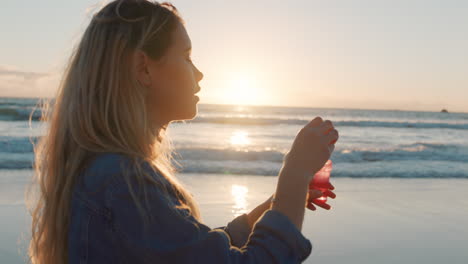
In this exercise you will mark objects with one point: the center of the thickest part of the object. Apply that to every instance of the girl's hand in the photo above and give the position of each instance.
(258, 211)
(312, 147)
(314, 194)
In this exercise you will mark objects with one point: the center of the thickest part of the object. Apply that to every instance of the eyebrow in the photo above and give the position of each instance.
(188, 49)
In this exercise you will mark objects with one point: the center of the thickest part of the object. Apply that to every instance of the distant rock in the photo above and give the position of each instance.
(444, 111)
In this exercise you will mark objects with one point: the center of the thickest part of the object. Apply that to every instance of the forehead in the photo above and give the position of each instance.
(181, 37)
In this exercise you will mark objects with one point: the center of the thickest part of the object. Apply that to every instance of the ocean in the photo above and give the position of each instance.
(252, 140)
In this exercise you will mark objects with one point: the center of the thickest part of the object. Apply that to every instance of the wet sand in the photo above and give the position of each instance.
(371, 220)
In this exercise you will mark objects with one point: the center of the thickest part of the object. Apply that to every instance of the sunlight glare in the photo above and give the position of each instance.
(242, 90)
(239, 194)
(240, 138)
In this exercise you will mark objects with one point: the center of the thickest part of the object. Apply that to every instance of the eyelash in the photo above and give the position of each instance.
(189, 59)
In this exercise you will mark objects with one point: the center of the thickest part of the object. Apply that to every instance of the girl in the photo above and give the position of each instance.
(108, 193)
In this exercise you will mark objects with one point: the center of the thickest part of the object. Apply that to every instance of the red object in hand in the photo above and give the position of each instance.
(321, 181)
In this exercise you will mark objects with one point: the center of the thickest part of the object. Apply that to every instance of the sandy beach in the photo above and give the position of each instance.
(371, 220)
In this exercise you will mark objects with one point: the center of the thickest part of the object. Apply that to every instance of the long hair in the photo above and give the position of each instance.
(100, 107)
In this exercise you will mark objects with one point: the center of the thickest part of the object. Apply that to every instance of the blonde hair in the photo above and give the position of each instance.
(100, 107)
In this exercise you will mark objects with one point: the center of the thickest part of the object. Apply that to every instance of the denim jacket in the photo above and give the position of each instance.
(105, 227)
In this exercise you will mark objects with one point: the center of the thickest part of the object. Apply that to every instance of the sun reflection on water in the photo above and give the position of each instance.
(239, 194)
(240, 138)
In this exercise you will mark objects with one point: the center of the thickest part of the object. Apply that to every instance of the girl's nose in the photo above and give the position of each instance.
(199, 74)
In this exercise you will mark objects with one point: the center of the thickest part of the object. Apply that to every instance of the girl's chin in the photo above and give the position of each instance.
(190, 114)
(194, 114)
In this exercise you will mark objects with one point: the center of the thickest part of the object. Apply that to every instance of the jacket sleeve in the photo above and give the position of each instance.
(179, 238)
(238, 230)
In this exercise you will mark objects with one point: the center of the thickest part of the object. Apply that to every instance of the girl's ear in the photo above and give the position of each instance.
(141, 68)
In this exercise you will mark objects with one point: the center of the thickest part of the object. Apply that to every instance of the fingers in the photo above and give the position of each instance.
(315, 122)
(311, 206)
(308, 203)
(319, 203)
(332, 137)
(323, 205)
(314, 194)
(326, 126)
(323, 128)
(331, 148)
(330, 194)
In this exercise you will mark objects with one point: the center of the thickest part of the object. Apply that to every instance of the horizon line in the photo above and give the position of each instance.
(284, 106)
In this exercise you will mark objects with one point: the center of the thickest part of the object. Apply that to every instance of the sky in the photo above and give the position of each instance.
(368, 54)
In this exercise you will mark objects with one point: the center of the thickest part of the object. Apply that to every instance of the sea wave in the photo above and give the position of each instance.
(383, 169)
(419, 151)
(356, 154)
(344, 123)
(19, 113)
(16, 160)
(17, 144)
(416, 151)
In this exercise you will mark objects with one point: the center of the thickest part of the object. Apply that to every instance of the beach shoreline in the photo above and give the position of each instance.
(371, 221)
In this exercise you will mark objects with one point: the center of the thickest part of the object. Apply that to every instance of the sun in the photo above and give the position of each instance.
(242, 90)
